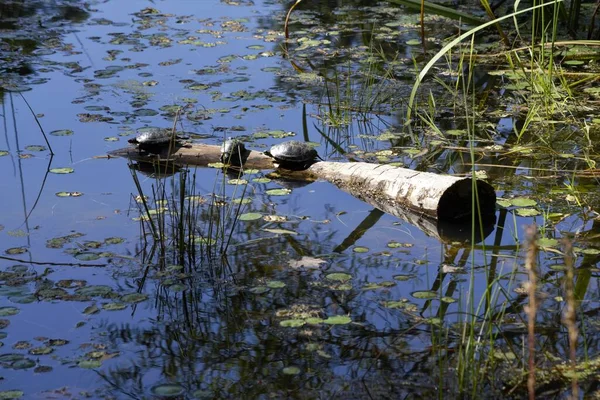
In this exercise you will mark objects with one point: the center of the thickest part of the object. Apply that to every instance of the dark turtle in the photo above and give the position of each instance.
(154, 140)
(293, 155)
(234, 152)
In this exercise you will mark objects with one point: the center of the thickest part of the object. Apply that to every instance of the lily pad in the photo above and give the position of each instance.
(8, 311)
(65, 170)
(168, 390)
(292, 323)
(338, 320)
(62, 132)
(339, 277)
(250, 216)
(425, 294)
(278, 192)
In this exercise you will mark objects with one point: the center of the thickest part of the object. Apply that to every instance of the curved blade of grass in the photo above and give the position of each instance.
(453, 43)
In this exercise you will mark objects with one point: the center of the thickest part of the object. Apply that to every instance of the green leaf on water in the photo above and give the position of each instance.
(134, 297)
(278, 192)
(523, 202)
(62, 132)
(280, 231)
(547, 242)
(250, 216)
(276, 284)
(168, 390)
(360, 249)
(339, 277)
(65, 170)
(8, 311)
(503, 203)
(291, 370)
(245, 200)
(11, 394)
(2, 154)
(237, 182)
(89, 364)
(36, 147)
(338, 320)
(259, 289)
(114, 306)
(527, 212)
(425, 294)
(87, 256)
(292, 323)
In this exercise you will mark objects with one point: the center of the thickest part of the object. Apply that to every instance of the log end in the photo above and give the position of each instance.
(457, 202)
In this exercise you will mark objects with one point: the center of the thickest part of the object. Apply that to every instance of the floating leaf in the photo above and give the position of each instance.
(425, 294)
(2, 154)
(527, 212)
(11, 394)
(261, 180)
(114, 306)
(95, 290)
(62, 132)
(237, 182)
(280, 231)
(250, 216)
(245, 200)
(276, 284)
(547, 242)
(36, 147)
(292, 323)
(134, 297)
(291, 370)
(89, 364)
(590, 251)
(339, 277)
(16, 250)
(360, 249)
(39, 351)
(278, 192)
(65, 170)
(338, 320)
(259, 289)
(87, 256)
(523, 202)
(8, 311)
(275, 218)
(168, 390)
(503, 203)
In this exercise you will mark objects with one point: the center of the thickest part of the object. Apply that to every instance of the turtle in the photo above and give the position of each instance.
(154, 140)
(234, 152)
(293, 155)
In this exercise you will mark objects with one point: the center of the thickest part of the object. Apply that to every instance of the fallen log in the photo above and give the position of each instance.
(398, 191)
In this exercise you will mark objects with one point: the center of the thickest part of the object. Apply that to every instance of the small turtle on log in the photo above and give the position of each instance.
(156, 139)
(234, 152)
(294, 155)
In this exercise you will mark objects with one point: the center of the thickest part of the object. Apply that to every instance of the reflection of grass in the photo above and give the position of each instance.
(184, 226)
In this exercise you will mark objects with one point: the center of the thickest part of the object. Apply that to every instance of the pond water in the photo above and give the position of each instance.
(330, 298)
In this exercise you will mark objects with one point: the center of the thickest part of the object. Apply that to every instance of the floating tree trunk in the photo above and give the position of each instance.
(398, 191)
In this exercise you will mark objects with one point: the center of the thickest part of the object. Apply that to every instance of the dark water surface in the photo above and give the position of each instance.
(254, 324)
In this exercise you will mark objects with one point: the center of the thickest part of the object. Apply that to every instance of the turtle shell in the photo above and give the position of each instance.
(154, 136)
(293, 152)
(233, 151)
